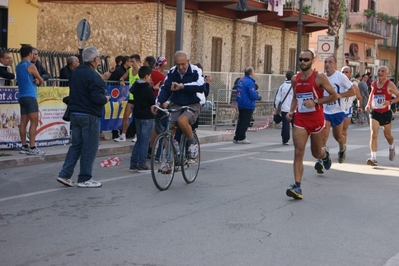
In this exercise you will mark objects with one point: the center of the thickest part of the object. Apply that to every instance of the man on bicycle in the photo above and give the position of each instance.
(182, 83)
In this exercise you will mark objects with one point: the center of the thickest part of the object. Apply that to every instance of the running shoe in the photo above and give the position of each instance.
(89, 184)
(35, 151)
(342, 155)
(165, 169)
(66, 181)
(133, 168)
(193, 151)
(372, 161)
(327, 161)
(294, 192)
(120, 139)
(244, 141)
(23, 150)
(319, 166)
(392, 154)
(143, 168)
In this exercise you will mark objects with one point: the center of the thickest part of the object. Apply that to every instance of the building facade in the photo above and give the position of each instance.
(216, 33)
(367, 37)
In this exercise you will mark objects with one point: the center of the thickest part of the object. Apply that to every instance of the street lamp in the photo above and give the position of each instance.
(299, 35)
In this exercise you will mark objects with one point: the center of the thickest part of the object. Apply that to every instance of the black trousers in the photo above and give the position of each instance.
(244, 119)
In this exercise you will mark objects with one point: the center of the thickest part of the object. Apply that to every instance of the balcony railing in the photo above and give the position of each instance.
(371, 25)
(317, 8)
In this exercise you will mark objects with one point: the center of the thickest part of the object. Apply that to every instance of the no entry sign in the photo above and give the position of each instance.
(325, 47)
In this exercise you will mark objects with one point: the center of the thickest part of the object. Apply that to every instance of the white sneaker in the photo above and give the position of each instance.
(120, 139)
(392, 154)
(35, 151)
(90, 184)
(23, 150)
(193, 151)
(244, 141)
(134, 139)
(66, 181)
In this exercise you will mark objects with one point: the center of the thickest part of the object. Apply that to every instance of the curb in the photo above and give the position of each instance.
(105, 149)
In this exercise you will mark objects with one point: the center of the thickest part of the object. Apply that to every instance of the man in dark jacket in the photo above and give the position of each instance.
(182, 83)
(87, 98)
(42, 71)
(5, 63)
(246, 97)
(66, 71)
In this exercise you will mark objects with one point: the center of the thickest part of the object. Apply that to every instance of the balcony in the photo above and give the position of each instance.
(368, 27)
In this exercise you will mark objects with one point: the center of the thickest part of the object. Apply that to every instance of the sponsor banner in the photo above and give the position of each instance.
(115, 108)
(52, 130)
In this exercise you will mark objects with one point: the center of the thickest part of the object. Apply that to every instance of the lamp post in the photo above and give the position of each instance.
(179, 25)
(299, 35)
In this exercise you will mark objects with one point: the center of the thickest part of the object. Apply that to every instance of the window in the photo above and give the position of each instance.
(268, 59)
(216, 59)
(354, 7)
(383, 62)
(292, 59)
(170, 47)
(3, 26)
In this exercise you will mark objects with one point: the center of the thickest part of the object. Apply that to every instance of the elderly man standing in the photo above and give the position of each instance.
(246, 97)
(66, 71)
(87, 98)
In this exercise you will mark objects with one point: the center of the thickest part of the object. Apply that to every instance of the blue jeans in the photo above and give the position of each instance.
(140, 149)
(85, 137)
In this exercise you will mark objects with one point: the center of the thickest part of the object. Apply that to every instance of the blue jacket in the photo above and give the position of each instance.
(193, 83)
(87, 91)
(246, 93)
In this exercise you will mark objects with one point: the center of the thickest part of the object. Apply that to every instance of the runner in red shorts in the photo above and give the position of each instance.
(308, 100)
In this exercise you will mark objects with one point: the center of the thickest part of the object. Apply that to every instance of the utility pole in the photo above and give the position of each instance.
(179, 25)
(299, 35)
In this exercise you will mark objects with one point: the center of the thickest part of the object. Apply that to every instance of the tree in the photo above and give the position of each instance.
(336, 16)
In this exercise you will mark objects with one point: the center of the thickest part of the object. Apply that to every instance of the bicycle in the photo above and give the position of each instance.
(166, 159)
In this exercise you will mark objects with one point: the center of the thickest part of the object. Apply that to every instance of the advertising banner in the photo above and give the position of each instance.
(52, 130)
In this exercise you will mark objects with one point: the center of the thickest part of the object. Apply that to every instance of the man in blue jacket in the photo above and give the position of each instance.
(182, 83)
(246, 97)
(87, 98)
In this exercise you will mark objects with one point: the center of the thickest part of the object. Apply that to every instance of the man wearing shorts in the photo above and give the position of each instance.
(182, 83)
(308, 103)
(379, 102)
(28, 78)
(348, 102)
(334, 112)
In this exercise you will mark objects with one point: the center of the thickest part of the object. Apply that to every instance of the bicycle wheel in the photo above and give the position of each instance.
(190, 167)
(162, 162)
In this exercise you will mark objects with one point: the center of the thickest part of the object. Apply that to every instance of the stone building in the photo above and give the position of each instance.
(216, 34)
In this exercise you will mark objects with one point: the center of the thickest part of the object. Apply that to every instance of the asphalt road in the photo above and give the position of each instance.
(235, 213)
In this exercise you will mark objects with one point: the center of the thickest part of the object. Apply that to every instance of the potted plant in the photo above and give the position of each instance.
(307, 9)
(358, 25)
(380, 16)
(369, 13)
(394, 20)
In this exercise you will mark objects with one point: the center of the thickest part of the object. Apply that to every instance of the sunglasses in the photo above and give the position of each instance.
(300, 59)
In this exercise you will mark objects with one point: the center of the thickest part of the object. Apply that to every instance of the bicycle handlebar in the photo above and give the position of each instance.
(173, 110)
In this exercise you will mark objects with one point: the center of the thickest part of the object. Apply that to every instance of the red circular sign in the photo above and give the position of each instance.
(325, 47)
(115, 93)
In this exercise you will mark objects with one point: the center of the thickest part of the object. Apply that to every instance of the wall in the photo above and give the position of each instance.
(22, 23)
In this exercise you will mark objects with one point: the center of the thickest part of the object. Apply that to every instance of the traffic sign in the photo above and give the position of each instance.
(325, 47)
(83, 30)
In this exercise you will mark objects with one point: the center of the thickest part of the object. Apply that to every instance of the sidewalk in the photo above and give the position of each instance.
(106, 148)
